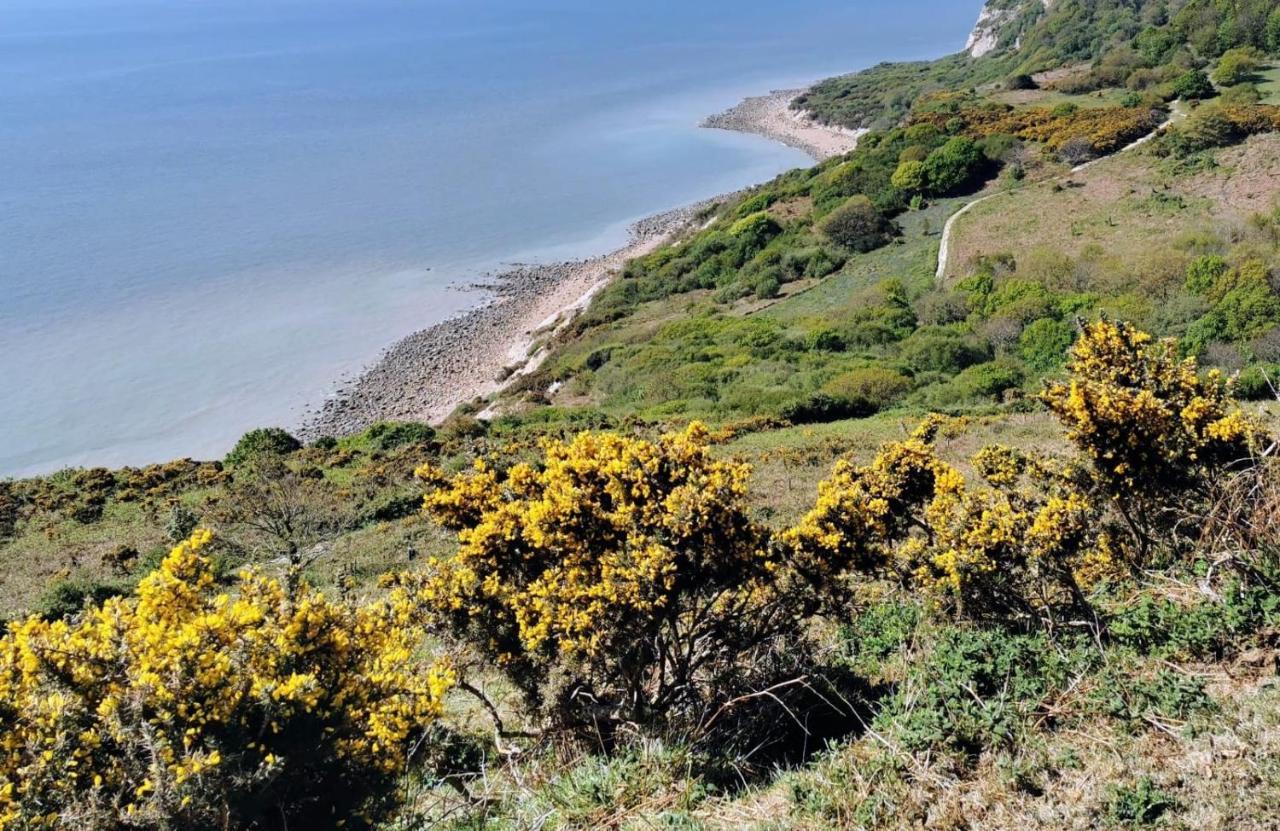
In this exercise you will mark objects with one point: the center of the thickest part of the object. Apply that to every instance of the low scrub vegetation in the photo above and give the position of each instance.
(624, 590)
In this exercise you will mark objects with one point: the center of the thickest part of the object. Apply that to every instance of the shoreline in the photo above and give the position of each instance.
(771, 116)
(427, 375)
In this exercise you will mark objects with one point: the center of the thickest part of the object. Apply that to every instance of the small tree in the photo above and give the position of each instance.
(1194, 85)
(954, 165)
(1235, 67)
(857, 225)
(273, 511)
(1044, 344)
(910, 177)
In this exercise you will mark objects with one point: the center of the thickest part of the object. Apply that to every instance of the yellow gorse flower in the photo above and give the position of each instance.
(143, 699)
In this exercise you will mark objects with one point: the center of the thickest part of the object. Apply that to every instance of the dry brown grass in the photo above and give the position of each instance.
(1125, 206)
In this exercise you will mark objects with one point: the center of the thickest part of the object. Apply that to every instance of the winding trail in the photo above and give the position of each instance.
(948, 230)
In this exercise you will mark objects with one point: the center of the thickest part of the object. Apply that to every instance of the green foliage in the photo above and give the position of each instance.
(880, 633)
(821, 408)
(870, 389)
(879, 97)
(1204, 272)
(910, 177)
(1215, 630)
(857, 225)
(1194, 85)
(1133, 699)
(954, 166)
(67, 598)
(1139, 806)
(1020, 81)
(1044, 344)
(989, 379)
(942, 349)
(1243, 303)
(1258, 382)
(1235, 67)
(263, 441)
(976, 689)
(389, 435)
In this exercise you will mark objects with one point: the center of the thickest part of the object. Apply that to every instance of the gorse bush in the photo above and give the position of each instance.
(1155, 429)
(185, 707)
(623, 580)
(994, 549)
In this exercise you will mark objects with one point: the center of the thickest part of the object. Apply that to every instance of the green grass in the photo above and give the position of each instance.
(1269, 84)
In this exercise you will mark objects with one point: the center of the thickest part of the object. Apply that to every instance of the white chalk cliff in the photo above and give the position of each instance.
(986, 35)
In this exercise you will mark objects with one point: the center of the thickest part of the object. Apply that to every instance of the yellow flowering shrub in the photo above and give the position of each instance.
(999, 548)
(863, 511)
(1010, 550)
(187, 707)
(1154, 428)
(1145, 417)
(618, 579)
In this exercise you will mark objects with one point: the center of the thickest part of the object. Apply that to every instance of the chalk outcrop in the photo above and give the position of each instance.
(991, 32)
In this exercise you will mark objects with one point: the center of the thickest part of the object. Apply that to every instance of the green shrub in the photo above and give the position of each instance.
(767, 287)
(1020, 81)
(857, 225)
(871, 388)
(389, 435)
(1194, 85)
(1235, 67)
(1204, 272)
(935, 349)
(1044, 344)
(990, 379)
(263, 441)
(1258, 382)
(822, 408)
(67, 598)
(954, 166)
(824, 340)
(910, 177)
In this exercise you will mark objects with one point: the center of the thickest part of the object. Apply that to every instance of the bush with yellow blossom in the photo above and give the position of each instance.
(1022, 542)
(619, 580)
(186, 707)
(1155, 429)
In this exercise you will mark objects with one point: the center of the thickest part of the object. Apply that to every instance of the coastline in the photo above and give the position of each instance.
(771, 116)
(427, 375)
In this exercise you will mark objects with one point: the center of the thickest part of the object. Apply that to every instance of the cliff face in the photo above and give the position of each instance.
(995, 28)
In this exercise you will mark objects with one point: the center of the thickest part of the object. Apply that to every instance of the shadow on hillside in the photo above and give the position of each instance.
(784, 726)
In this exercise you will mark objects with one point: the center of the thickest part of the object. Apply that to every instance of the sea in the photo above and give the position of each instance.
(212, 212)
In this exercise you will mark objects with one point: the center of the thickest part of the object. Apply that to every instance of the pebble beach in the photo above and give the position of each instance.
(430, 373)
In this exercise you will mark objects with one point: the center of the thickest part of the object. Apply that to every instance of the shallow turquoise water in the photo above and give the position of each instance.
(210, 210)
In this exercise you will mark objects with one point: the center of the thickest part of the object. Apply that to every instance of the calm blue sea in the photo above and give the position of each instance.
(211, 210)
